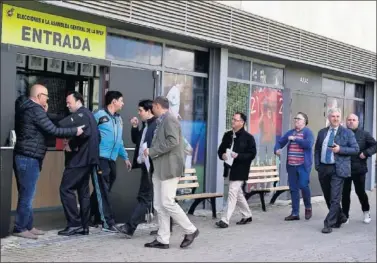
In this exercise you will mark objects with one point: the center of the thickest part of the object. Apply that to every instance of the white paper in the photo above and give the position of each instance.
(229, 159)
(146, 159)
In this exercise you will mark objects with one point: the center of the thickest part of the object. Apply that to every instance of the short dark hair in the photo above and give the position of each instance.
(146, 104)
(163, 101)
(111, 95)
(78, 96)
(242, 115)
(305, 116)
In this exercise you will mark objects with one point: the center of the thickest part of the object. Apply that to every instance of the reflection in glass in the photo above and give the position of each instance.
(95, 94)
(239, 69)
(188, 102)
(330, 86)
(267, 74)
(133, 50)
(237, 101)
(354, 107)
(265, 118)
(187, 60)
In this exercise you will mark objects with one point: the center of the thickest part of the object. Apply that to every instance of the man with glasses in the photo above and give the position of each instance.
(237, 150)
(32, 125)
(300, 142)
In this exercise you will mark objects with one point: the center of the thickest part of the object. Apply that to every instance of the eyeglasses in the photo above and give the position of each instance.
(236, 120)
(45, 95)
(297, 118)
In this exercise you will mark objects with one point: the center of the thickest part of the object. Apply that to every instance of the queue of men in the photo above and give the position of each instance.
(93, 146)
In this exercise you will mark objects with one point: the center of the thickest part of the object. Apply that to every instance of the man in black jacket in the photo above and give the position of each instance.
(32, 125)
(82, 160)
(139, 137)
(368, 147)
(238, 150)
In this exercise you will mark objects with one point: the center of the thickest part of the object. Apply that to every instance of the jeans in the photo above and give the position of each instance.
(298, 178)
(27, 171)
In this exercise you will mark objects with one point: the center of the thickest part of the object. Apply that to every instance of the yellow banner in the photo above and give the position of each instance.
(28, 28)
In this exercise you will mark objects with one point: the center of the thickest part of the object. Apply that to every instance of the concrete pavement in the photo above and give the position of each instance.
(267, 239)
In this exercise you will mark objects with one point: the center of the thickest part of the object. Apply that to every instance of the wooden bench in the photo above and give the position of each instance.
(190, 181)
(265, 180)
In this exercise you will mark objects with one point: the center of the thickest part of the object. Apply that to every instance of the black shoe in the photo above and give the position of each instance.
(124, 230)
(327, 230)
(94, 224)
(292, 218)
(70, 231)
(110, 229)
(222, 224)
(156, 244)
(308, 213)
(187, 241)
(244, 221)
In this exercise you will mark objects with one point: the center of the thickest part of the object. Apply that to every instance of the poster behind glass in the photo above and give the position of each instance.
(187, 97)
(265, 118)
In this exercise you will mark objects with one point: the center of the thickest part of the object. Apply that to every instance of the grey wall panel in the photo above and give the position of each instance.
(368, 126)
(8, 93)
(302, 80)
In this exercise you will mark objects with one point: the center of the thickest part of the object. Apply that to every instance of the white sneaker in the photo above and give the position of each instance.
(367, 218)
(348, 221)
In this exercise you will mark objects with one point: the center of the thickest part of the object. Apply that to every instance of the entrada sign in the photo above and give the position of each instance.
(24, 27)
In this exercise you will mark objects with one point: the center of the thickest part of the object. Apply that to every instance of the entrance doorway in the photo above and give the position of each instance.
(135, 85)
(314, 106)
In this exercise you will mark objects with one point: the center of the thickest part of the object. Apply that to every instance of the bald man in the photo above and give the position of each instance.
(368, 147)
(32, 125)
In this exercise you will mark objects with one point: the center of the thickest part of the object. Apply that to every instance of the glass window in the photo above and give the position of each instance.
(330, 86)
(133, 50)
(239, 69)
(265, 121)
(354, 107)
(186, 60)
(188, 102)
(267, 74)
(237, 101)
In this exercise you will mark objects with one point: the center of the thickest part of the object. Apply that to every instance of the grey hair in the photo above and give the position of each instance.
(334, 110)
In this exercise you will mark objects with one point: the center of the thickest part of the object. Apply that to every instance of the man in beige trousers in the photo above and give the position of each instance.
(167, 153)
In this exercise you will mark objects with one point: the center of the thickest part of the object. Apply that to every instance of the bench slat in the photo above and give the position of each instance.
(198, 195)
(271, 189)
(190, 171)
(263, 168)
(260, 174)
(188, 185)
(188, 178)
(263, 180)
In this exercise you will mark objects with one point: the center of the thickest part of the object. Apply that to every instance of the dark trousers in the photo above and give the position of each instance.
(103, 181)
(144, 201)
(26, 171)
(76, 179)
(332, 187)
(359, 182)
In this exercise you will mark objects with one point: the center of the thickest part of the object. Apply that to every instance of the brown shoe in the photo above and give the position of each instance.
(308, 213)
(292, 218)
(26, 234)
(37, 232)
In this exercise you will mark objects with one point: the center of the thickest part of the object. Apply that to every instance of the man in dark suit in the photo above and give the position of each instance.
(368, 147)
(83, 158)
(333, 149)
(242, 147)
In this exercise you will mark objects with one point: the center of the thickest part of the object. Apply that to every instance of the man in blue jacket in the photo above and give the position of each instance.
(111, 146)
(300, 142)
(332, 154)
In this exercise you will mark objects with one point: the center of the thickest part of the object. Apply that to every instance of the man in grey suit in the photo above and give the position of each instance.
(167, 153)
(333, 149)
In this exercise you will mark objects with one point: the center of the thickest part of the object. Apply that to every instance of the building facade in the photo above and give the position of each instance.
(209, 59)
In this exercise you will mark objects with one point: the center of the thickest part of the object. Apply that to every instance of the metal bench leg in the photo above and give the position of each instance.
(194, 205)
(261, 195)
(213, 206)
(171, 225)
(276, 195)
